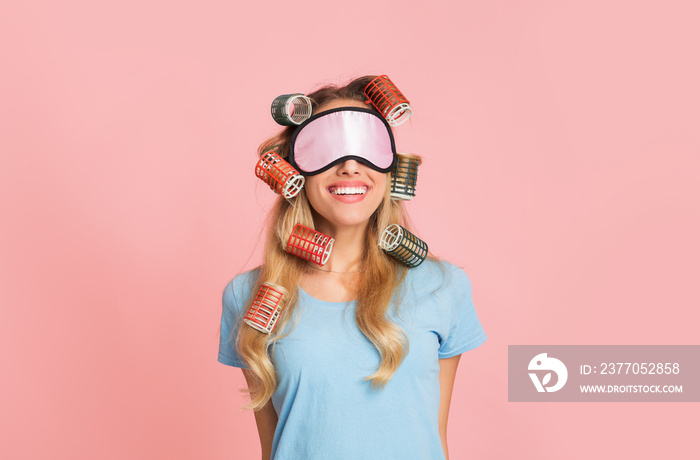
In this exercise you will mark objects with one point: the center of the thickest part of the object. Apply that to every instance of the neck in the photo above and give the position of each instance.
(348, 247)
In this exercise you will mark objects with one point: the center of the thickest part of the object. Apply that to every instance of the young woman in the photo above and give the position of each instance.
(362, 360)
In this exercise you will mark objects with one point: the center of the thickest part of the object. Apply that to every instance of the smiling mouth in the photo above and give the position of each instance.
(348, 190)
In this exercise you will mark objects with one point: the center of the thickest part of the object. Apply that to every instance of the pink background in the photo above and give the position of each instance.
(561, 171)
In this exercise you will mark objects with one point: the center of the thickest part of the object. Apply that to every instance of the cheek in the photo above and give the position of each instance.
(313, 191)
(380, 183)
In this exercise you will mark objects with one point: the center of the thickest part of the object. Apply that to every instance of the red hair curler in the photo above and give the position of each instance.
(291, 109)
(403, 245)
(266, 307)
(404, 176)
(387, 98)
(279, 175)
(310, 245)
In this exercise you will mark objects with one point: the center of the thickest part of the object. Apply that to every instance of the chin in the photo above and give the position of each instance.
(347, 221)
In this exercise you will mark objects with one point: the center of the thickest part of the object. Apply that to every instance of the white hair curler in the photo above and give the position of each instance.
(403, 245)
(404, 177)
(266, 307)
(387, 98)
(310, 245)
(282, 177)
(291, 109)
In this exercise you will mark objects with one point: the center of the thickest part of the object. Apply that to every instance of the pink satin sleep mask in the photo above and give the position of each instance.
(341, 134)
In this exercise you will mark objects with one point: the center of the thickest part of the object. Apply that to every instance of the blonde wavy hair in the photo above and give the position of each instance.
(374, 290)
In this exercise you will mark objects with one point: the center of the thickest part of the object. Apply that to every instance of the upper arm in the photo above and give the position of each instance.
(231, 316)
(266, 421)
(448, 371)
(462, 331)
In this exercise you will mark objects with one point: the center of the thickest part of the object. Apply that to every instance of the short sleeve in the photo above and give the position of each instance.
(232, 305)
(464, 331)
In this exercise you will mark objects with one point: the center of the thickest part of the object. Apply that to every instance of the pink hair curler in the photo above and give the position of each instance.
(387, 98)
(310, 245)
(404, 177)
(291, 109)
(279, 175)
(266, 307)
(403, 245)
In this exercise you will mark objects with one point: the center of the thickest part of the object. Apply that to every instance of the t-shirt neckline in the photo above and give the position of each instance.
(325, 303)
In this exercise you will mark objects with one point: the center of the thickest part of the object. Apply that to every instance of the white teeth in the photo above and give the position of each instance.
(349, 191)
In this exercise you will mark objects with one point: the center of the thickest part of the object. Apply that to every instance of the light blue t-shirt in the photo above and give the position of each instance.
(326, 410)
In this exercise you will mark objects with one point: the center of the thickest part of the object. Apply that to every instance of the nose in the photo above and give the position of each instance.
(349, 167)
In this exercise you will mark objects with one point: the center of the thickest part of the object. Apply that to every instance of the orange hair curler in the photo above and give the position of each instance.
(310, 245)
(387, 98)
(266, 307)
(279, 175)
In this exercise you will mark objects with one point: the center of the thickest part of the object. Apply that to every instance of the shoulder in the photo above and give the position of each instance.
(436, 275)
(238, 289)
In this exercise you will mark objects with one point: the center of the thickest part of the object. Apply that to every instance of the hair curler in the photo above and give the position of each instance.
(266, 307)
(403, 245)
(387, 98)
(291, 109)
(310, 245)
(404, 176)
(282, 177)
